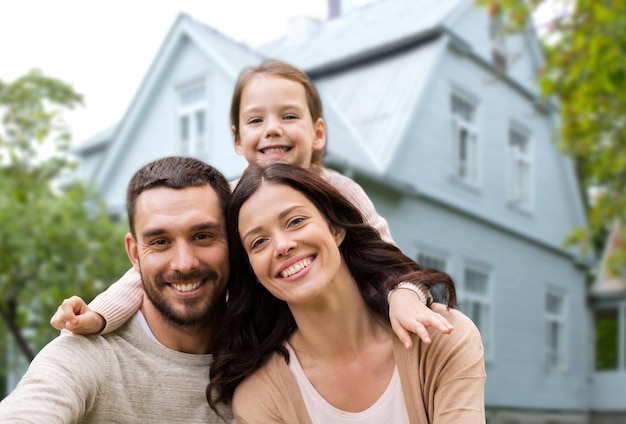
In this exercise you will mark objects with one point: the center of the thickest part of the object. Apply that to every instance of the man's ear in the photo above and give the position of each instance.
(132, 251)
(319, 141)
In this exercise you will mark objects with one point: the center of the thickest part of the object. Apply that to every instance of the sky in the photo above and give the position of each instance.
(103, 48)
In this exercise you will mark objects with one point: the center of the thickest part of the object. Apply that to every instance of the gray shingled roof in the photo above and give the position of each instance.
(373, 28)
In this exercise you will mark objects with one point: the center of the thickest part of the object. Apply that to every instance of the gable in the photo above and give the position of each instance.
(190, 51)
(609, 281)
(377, 98)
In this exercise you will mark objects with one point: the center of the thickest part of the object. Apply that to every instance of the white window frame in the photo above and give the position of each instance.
(477, 305)
(428, 259)
(521, 191)
(192, 123)
(465, 141)
(555, 318)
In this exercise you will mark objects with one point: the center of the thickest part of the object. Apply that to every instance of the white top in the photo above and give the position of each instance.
(389, 408)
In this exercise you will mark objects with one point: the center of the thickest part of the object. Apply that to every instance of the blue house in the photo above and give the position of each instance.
(438, 116)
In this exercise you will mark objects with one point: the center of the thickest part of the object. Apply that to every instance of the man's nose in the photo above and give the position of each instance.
(185, 258)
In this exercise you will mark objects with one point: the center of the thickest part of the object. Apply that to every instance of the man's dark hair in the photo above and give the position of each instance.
(174, 172)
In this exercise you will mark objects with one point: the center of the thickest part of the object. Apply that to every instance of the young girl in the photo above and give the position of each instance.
(305, 336)
(276, 116)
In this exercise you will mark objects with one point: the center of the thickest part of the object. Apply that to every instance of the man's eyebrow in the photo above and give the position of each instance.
(154, 232)
(212, 225)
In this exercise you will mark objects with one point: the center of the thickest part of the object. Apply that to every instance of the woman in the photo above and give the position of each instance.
(306, 332)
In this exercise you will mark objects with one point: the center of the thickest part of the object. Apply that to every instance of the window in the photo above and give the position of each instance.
(465, 140)
(606, 323)
(520, 169)
(475, 302)
(555, 330)
(191, 119)
(430, 260)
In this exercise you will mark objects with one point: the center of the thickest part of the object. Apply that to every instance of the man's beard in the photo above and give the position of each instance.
(198, 312)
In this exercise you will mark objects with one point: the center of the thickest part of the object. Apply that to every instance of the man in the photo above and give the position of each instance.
(155, 368)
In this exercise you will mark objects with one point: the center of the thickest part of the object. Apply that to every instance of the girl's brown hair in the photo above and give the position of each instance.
(284, 70)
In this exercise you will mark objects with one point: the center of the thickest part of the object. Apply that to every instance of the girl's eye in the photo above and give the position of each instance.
(254, 120)
(290, 116)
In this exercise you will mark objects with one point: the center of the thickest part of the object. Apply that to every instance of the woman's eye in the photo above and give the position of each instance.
(257, 243)
(296, 221)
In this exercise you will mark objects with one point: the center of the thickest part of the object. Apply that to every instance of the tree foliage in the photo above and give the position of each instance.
(55, 240)
(585, 46)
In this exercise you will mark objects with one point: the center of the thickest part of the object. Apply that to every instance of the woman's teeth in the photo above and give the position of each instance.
(295, 268)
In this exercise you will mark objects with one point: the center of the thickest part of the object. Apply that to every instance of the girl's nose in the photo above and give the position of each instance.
(274, 128)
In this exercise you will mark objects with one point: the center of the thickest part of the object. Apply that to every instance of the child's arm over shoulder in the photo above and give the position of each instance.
(357, 196)
(107, 312)
(120, 301)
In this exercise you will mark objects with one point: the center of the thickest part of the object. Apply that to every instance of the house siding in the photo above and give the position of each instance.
(520, 272)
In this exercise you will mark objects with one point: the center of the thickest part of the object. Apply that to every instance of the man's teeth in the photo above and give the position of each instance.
(295, 268)
(273, 150)
(186, 287)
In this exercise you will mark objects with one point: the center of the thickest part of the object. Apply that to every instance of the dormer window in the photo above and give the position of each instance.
(464, 140)
(497, 34)
(192, 105)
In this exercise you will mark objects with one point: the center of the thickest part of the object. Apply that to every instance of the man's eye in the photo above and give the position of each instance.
(159, 242)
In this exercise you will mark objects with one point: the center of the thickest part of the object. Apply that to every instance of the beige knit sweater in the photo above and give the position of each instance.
(443, 382)
(122, 377)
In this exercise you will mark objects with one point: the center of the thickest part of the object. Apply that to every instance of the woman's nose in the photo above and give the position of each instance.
(285, 246)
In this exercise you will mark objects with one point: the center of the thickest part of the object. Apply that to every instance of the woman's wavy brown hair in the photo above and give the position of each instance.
(257, 324)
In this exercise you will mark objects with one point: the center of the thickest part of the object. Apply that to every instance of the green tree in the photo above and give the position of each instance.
(585, 45)
(55, 239)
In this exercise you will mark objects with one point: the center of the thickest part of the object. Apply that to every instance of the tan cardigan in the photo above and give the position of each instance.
(442, 382)
(123, 298)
